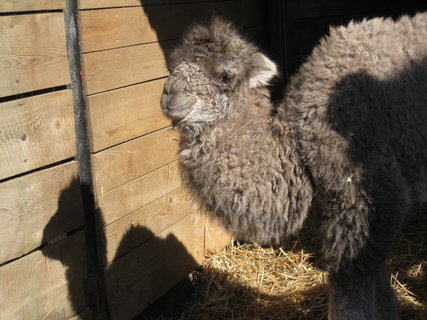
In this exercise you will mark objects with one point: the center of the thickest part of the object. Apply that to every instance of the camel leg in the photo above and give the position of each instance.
(361, 297)
(385, 298)
(351, 298)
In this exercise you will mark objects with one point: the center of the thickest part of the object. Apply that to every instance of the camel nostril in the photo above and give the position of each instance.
(164, 100)
(167, 87)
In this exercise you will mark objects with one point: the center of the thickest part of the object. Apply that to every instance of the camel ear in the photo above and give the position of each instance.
(262, 70)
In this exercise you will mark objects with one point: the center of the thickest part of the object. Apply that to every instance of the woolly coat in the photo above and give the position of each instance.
(350, 134)
(358, 112)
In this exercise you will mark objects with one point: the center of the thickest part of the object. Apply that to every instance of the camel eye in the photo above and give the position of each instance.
(226, 77)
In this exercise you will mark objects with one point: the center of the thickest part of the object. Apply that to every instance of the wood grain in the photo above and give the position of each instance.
(45, 284)
(123, 114)
(216, 236)
(106, 70)
(31, 5)
(123, 163)
(144, 274)
(118, 27)
(156, 217)
(114, 28)
(35, 132)
(137, 193)
(31, 202)
(32, 53)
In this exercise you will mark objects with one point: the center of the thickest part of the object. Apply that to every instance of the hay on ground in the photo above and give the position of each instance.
(247, 281)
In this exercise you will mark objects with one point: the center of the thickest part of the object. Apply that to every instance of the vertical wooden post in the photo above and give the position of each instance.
(95, 288)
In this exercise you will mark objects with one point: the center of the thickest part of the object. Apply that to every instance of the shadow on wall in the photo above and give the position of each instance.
(142, 267)
(279, 35)
(171, 21)
(75, 264)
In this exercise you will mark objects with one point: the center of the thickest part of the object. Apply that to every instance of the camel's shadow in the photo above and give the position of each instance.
(143, 266)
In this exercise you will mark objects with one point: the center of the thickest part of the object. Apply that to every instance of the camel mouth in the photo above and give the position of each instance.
(178, 112)
(176, 108)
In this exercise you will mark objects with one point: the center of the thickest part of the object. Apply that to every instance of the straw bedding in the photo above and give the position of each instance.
(246, 281)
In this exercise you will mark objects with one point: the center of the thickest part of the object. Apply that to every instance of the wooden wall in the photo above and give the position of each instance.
(42, 241)
(140, 231)
(120, 239)
(151, 229)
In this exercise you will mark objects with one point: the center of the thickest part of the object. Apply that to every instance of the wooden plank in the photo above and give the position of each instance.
(31, 5)
(123, 114)
(123, 163)
(131, 196)
(45, 284)
(106, 70)
(123, 27)
(36, 131)
(216, 236)
(32, 53)
(143, 275)
(38, 207)
(118, 27)
(156, 217)
(92, 4)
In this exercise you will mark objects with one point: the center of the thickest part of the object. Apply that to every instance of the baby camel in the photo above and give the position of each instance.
(350, 136)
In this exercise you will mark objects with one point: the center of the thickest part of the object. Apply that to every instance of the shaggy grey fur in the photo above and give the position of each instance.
(350, 135)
